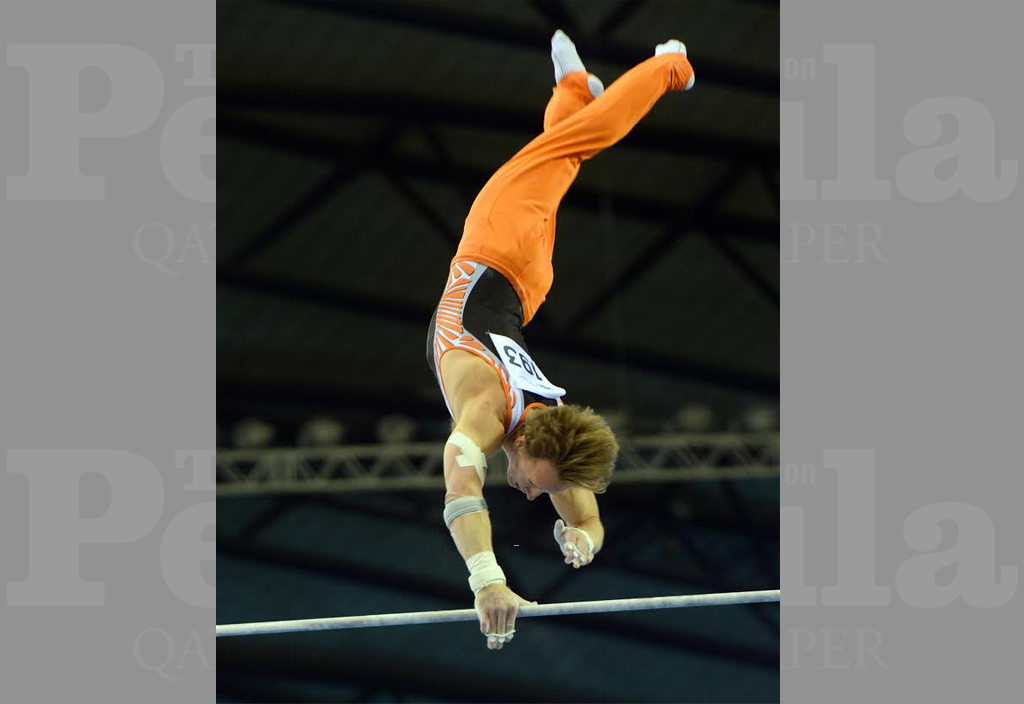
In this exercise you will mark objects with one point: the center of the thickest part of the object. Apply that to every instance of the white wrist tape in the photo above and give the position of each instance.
(461, 506)
(484, 571)
(561, 529)
(590, 541)
(471, 456)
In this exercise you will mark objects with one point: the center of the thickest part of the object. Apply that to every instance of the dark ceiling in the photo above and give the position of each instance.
(353, 136)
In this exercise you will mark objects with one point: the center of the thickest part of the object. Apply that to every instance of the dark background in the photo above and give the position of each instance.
(352, 138)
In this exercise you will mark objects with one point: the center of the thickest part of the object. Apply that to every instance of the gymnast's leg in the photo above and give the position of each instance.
(511, 224)
(578, 126)
(604, 121)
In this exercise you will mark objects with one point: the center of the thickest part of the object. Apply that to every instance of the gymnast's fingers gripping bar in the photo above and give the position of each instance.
(563, 609)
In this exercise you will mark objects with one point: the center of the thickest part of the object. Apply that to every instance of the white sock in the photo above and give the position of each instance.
(564, 56)
(674, 46)
(566, 60)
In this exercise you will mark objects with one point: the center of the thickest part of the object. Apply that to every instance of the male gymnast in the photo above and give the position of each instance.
(500, 275)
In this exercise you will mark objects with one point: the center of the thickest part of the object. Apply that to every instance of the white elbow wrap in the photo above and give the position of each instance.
(484, 571)
(461, 506)
(471, 455)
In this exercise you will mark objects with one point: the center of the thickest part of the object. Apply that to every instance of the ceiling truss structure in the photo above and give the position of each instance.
(397, 466)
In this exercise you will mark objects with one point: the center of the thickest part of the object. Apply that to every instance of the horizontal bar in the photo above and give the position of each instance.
(562, 609)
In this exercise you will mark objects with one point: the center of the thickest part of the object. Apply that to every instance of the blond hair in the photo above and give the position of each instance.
(578, 442)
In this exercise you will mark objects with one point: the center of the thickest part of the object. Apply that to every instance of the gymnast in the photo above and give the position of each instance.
(500, 275)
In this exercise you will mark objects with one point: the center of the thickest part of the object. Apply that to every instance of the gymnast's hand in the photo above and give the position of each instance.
(497, 606)
(575, 543)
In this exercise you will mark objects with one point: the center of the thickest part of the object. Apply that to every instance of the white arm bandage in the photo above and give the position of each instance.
(461, 506)
(471, 455)
(484, 571)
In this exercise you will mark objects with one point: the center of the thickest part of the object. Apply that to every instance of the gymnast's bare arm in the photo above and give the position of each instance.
(471, 532)
(478, 404)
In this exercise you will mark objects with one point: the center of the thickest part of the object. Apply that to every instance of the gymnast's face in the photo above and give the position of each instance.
(530, 475)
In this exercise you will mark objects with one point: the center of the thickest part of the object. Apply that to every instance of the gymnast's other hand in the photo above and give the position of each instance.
(575, 543)
(497, 606)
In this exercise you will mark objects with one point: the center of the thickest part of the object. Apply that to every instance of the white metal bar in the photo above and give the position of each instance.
(562, 609)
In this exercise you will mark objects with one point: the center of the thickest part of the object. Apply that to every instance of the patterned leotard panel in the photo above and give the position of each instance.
(478, 300)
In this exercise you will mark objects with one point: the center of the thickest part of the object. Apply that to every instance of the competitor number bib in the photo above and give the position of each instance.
(524, 371)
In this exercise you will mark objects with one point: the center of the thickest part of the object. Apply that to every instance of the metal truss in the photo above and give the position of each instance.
(390, 467)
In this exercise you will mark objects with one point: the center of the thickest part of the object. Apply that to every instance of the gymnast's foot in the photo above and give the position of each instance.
(566, 61)
(674, 46)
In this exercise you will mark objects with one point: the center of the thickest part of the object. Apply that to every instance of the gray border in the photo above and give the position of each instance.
(106, 508)
(901, 354)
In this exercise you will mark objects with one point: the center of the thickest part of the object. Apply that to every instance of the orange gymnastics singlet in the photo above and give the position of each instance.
(511, 225)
